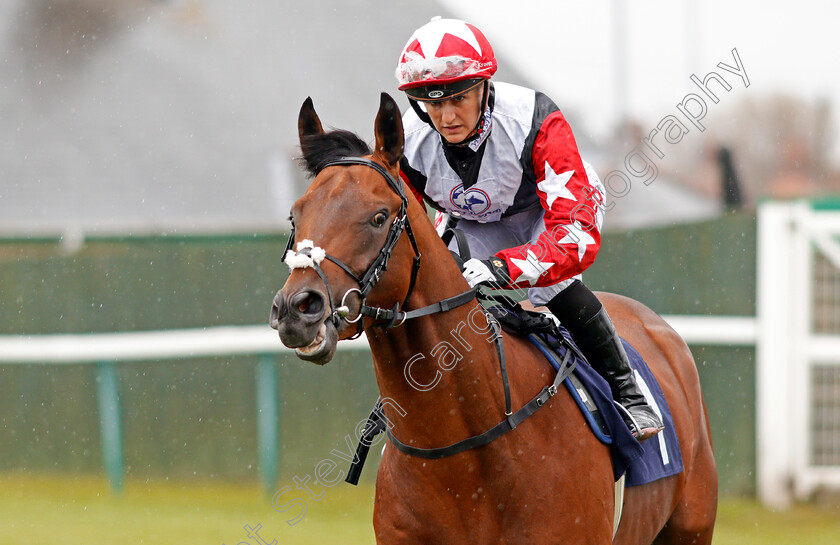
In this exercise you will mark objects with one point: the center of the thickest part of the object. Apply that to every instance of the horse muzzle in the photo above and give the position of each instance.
(303, 321)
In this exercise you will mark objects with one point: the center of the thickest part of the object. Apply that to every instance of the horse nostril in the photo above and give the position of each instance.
(308, 302)
(278, 309)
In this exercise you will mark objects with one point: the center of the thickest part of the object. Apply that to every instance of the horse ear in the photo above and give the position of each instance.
(389, 131)
(308, 121)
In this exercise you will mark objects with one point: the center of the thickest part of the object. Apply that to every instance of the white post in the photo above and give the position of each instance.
(773, 310)
(800, 291)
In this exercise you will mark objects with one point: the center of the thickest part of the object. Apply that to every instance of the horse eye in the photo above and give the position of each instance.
(379, 219)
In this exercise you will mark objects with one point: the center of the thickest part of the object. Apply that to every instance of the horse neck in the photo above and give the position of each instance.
(443, 366)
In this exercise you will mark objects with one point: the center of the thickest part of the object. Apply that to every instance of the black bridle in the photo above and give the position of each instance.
(367, 280)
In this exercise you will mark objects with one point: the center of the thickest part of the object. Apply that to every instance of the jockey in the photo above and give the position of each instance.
(501, 160)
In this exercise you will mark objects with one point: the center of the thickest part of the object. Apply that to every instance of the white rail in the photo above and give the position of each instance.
(147, 345)
(237, 340)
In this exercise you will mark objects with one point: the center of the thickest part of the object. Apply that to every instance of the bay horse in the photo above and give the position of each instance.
(368, 258)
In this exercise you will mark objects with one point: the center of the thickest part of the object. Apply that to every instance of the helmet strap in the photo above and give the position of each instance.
(424, 117)
(485, 100)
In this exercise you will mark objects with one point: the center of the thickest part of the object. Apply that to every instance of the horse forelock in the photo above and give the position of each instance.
(319, 149)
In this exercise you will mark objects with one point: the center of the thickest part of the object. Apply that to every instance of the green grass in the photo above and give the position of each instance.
(743, 522)
(50, 509)
(45, 510)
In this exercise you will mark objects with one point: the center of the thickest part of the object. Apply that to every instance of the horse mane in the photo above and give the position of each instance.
(319, 149)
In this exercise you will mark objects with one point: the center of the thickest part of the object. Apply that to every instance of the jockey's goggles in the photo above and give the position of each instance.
(445, 91)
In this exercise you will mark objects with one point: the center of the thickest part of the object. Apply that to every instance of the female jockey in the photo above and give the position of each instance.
(502, 160)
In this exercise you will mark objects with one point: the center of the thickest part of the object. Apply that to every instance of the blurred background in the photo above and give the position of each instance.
(147, 167)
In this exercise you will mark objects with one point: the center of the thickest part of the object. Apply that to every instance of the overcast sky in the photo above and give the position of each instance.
(569, 48)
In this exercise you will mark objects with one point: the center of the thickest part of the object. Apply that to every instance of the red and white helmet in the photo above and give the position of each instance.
(444, 58)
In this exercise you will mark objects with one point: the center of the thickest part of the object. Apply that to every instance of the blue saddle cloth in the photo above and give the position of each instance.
(645, 462)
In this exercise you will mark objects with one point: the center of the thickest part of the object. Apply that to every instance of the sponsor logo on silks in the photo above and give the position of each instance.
(437, 93)
(473, 200)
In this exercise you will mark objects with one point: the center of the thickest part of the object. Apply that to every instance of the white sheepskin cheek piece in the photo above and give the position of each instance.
(297, 260)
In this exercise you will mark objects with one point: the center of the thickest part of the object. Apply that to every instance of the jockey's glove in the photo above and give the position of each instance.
(491, 272)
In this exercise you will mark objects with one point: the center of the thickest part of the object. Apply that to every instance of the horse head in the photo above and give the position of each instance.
(346, 231)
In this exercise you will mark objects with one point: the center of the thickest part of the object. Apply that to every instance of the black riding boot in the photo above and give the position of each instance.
(587, 320)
